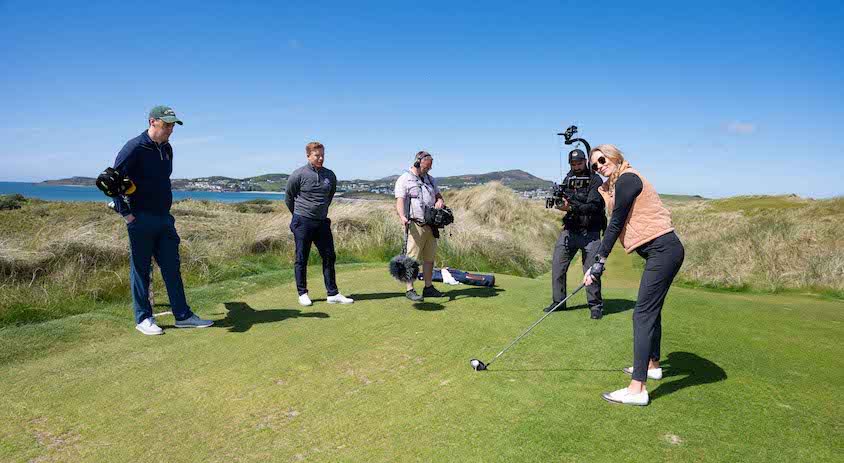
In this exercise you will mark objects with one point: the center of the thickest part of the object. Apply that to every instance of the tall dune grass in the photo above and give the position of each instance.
(62, 258)
(768, 243)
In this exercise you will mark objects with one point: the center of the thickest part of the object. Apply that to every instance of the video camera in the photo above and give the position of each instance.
(560, 194)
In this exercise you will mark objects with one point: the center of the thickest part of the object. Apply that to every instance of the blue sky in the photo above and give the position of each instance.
(709, 99)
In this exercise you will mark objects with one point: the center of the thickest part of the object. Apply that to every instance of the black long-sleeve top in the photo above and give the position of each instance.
(627, 188)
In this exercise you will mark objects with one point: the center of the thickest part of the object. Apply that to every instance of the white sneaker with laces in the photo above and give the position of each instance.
(340, 299)
(653, 373)
(305, 300)
(623, 396)
(148, 327)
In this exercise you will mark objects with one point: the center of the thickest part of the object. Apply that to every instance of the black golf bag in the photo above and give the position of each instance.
(473, 279)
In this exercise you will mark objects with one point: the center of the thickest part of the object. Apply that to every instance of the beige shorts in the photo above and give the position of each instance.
(421, 244)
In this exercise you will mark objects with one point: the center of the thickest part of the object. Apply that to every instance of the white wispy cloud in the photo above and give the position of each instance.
(741, 128)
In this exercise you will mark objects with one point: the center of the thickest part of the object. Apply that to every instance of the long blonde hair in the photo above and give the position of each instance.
(613, 154)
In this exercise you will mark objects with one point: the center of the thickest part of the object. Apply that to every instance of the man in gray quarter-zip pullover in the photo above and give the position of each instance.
(309, 192)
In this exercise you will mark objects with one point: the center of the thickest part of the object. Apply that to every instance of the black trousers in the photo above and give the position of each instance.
(307, 231)
(588, 243)
(663, 258)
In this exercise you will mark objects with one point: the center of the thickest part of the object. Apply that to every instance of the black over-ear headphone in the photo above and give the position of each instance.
(419, 157)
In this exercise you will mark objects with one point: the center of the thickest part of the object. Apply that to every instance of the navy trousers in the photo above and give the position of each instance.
(305, 232)
(155, 236)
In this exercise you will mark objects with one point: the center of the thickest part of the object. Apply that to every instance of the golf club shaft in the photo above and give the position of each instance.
(537, 322)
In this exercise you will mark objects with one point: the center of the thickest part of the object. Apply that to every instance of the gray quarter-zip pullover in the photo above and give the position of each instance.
(309, 191)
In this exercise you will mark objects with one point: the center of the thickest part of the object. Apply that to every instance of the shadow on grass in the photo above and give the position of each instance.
(240, 317)
(611, 306)
(429, 305)
(695, 370)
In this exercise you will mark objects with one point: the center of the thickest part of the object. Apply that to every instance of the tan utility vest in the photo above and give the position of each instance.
(648, 218)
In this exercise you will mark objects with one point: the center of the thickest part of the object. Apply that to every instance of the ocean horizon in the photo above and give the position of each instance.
(76, 193)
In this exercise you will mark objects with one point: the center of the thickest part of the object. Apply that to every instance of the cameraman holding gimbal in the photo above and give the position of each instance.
(583, 223)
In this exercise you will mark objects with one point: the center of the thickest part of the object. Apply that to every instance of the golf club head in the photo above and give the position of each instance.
(477, 365)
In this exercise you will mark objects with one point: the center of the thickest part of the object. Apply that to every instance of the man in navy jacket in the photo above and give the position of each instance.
(147, 160)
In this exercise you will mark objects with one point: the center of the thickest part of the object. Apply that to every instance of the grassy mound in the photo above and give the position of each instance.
(58, 259)
(770, 243)
(67, 258)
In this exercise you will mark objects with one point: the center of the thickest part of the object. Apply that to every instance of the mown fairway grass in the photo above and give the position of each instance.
(749, 378)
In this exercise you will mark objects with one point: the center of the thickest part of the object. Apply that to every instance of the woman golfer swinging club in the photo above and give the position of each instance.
(642, 224)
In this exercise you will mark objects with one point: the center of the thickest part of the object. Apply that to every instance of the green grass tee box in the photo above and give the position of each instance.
(748, 378)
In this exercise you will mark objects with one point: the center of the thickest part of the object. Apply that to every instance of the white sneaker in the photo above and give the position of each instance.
(340, 299)
(653, 373)
(148, 327)
(305, 300)
(623, 396)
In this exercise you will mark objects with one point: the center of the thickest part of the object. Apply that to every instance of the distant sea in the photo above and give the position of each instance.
(90, 193)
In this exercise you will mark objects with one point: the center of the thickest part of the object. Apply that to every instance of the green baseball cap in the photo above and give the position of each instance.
(165, 113)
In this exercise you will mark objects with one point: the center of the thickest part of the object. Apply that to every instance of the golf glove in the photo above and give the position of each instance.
(596, 269)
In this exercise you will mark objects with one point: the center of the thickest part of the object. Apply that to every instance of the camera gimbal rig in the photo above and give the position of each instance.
(569, 133)
(561, 193)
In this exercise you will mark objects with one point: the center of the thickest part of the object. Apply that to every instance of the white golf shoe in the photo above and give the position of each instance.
(148, 327)
(653, 373)
(340, 299)
(305, 300)
(623, 396)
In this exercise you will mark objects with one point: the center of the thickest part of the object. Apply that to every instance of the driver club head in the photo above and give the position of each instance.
(477, 365)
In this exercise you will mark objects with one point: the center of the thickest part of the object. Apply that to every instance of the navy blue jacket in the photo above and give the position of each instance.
(149, 166)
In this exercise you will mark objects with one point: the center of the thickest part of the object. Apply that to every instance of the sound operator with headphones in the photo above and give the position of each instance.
(415, 190)
(582, 227)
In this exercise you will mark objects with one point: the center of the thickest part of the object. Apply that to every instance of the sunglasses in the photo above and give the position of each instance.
(601, 160)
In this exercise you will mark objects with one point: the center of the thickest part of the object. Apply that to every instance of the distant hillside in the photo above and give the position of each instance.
(681, 199)
(76, 181)
(515, 179)
(518, 180)
(266, 182)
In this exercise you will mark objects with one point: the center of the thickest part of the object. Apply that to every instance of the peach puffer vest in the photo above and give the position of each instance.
(648, 218)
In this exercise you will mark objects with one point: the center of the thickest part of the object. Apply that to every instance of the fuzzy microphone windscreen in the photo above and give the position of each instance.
(404, 268)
